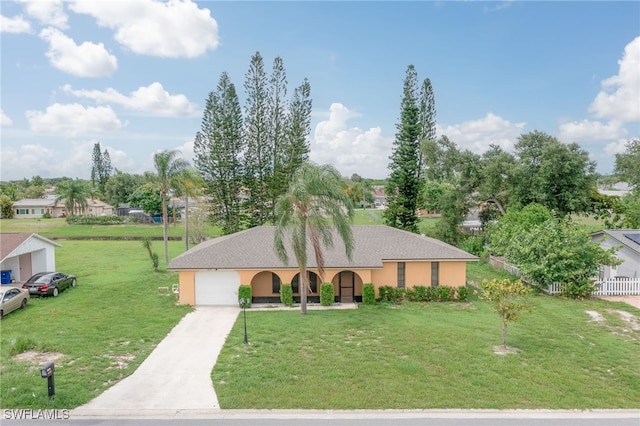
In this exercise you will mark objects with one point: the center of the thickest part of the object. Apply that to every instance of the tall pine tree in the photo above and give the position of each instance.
(277, 129)
(218, 152)
(403, 186)
(259, 156)
(101, 168)
(296, 146)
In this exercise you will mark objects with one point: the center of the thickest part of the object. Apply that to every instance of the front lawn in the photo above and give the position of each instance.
(102, 330)
(437, 355)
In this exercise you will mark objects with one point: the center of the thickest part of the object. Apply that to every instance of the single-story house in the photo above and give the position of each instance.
(30, 208)
(628, 243)
(211, 272)
(22, 255)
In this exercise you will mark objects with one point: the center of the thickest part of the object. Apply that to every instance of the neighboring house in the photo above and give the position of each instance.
(23, 255)
(619, 189)
(210, 273)
(30, 208)
(628, 243)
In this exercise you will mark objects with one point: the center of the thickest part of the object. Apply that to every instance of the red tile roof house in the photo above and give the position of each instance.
(211, 272)
(26, 254)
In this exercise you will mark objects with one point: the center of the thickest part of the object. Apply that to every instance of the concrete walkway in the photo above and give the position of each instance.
(177, 374)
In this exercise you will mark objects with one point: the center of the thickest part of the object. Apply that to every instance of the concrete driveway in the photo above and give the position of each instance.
(177, 374)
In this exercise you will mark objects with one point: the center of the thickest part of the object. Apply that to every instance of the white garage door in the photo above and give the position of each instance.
(217, 287)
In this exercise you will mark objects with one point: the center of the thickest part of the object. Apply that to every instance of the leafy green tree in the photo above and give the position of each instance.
(553, 174)
(120, 186)
(218, 147)
(34, 191)
(258, 159)
(441, 158)
(313, 206)
(516, 221)
(559, 251)
(168, 166)
(6, 207)
(75, 194)
(627, 165)
(496, 168)
(148, 198)
(506, 297)
(403, 186)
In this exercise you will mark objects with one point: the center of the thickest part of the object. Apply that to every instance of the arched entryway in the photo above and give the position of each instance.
(314, 285)
(265, 287)
(347, 286)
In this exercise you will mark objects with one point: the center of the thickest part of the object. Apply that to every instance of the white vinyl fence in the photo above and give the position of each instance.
(618, 286)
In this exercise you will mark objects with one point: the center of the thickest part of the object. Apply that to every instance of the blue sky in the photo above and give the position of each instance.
(134, 75)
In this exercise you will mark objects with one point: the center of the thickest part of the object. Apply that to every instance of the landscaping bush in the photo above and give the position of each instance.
(368, 294)
(430, 294)
(463, 293)
(581, 289)
(385, 293)
(327, 294)
(420, 291)
(397, 294)
(286, 294)
(445, 293)
(410, 294)
(244, 296)
(95, 220)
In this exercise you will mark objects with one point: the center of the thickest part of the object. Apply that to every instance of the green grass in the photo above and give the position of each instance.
(374, 217)
(58, 228)
(431, 356)
(114, 312)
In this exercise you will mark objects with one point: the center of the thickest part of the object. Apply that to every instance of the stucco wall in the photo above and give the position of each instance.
(187, 294)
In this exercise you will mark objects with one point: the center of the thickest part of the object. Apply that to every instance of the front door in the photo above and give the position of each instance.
(347, 281)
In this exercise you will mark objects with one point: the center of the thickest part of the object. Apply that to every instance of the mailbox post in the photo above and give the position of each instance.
(47, 372)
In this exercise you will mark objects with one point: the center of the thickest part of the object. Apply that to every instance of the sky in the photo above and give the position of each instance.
(134, 75)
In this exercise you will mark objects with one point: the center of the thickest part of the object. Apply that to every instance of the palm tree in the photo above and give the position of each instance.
(187, 184)
(74, 193)
(312, 207)
(167, 166)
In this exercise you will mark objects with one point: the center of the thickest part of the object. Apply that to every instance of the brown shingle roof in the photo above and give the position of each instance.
(9, 241)
(373, 244)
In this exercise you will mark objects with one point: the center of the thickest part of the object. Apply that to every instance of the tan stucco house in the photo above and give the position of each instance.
(30, 208)
(211, 272)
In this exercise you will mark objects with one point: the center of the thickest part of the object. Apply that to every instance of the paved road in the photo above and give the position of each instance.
(177, 374)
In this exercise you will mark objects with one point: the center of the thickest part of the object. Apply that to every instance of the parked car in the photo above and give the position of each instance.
(11, 299)
(49, 283)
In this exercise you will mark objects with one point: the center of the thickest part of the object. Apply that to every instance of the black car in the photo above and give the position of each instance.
(49, 283)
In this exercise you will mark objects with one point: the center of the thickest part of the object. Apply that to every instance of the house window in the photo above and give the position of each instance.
(37, 211)
(275, 283)
(435, 274)
(22, 211)
(313, 283)
(401, 267)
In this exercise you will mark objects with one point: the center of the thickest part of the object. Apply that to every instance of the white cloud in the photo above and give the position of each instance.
(84, 60)
(152, 99)
(619, 97)
(187, 151)
(350, 149)
(171, 29)
(36, 158)
(50, 12)
(73, 119)
(590, 131)
(617, 147)
(15, 25)
(5, 120)
(477, 135)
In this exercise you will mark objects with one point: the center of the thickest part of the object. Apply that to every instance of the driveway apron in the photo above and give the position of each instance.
(177, 374)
